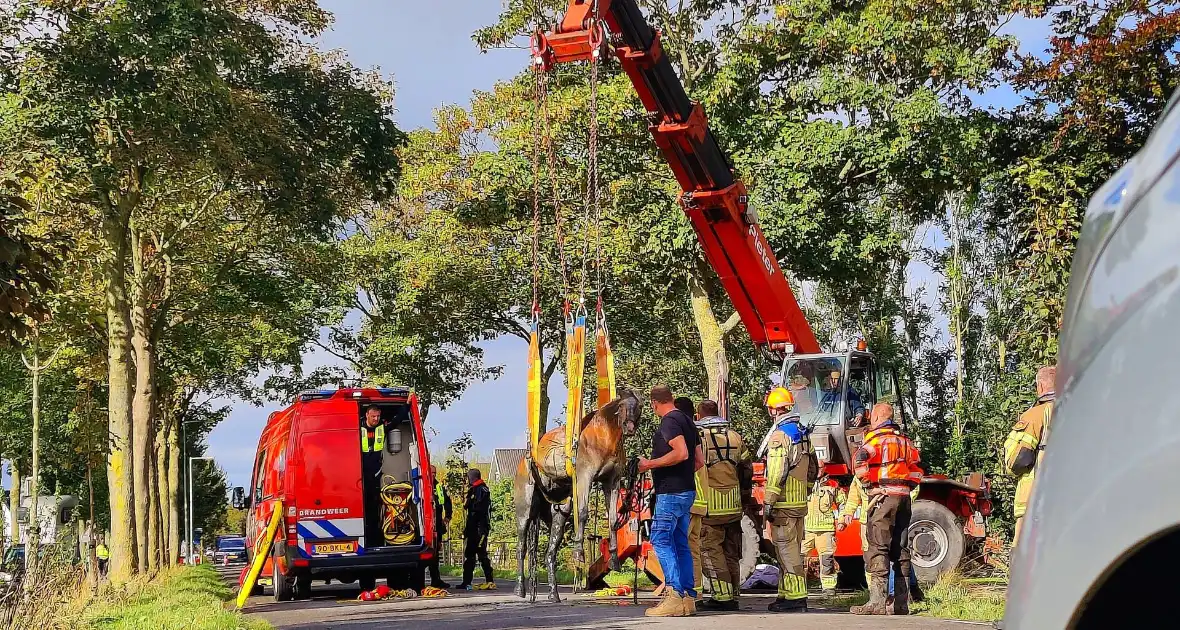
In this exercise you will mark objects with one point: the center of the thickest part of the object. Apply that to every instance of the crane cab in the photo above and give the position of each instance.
(834, 393)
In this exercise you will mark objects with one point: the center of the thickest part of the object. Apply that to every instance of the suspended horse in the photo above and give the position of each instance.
(542, 487)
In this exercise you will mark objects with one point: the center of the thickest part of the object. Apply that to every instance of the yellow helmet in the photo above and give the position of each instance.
(779, 397)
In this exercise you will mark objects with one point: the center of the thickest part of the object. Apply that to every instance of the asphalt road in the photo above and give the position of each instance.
(335, 606)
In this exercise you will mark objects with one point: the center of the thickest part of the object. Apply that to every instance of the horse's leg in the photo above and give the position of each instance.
(524, 518)
(585, 485)
(561, 513)
(610, 493)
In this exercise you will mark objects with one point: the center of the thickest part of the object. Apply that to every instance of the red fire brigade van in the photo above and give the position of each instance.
(355, 508)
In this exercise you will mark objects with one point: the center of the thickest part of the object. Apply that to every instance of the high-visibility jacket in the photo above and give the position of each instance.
(822, 508)
(1024, 447)
(101, 552)
(378, 443)
(787, 465)
(889, 460)
(727, 474)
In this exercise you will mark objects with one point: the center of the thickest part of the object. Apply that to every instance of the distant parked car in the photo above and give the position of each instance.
(230, 550)
(1102, 531)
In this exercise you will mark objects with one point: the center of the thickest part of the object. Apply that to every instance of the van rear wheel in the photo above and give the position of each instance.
(284, 591)
(367, 583)
(303, 587)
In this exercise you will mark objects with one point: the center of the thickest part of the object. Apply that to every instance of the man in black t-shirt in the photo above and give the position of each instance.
(675, 457)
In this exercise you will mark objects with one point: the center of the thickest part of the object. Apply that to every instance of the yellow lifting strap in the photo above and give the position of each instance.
(536, 421)
(261, 553)
(575, 369)
(604, 359)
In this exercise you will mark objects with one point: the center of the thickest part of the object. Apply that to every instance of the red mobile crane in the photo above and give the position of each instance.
(828, 387)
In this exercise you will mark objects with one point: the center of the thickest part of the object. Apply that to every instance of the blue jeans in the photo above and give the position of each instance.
(669, 538)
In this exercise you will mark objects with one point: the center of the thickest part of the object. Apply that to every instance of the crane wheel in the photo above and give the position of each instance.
(936, 540)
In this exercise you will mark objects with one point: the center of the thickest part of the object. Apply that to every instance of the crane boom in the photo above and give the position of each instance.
(713, 197)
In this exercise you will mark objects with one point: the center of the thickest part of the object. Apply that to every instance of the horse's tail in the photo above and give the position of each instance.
(539, 484)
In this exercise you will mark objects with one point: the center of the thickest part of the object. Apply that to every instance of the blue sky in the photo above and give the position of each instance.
(426, 49)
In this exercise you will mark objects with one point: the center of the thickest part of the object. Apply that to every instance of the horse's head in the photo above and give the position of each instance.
(629, 411)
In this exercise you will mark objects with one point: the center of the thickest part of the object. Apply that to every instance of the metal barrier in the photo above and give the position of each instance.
(502, 553)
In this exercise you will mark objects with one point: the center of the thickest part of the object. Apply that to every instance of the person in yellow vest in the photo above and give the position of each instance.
(819, 531)
(791, 468)
(697, 512)
(1026, 443)
(730, 481)
(372, 434)
(103, 555)
(857, 507)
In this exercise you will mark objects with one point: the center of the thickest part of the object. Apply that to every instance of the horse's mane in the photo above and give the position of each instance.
(609, 411)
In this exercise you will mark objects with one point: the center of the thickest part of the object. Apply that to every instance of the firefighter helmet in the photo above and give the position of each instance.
(780, 397)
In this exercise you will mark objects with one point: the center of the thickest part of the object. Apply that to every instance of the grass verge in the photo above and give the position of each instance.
(185, 598)
(954, 597)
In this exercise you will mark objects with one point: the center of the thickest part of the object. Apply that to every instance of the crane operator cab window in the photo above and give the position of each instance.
(387, 467)
(817, 384)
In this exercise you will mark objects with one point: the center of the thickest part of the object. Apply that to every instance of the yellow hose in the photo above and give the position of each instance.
(398, 522)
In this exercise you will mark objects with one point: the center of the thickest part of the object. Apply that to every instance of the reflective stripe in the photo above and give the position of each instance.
(792, 493)
(791, 586)
(378, 439)
(724, 502)
(827, 581)
(722, 591)
(699, 499)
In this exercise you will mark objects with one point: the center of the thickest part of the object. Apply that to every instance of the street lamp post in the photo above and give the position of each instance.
(189, 511)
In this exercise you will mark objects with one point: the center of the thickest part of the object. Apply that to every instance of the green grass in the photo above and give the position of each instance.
(187, 598)
(954, 597)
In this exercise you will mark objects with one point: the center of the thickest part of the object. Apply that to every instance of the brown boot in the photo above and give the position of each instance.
(876, 603)
(671, 606)
(690, 606)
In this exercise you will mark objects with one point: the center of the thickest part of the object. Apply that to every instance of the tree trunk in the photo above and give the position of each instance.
(34, 529)
(120, 478)
(710, 332)
(14, 502)
(145, 389)
(159, 517)
(173, 495)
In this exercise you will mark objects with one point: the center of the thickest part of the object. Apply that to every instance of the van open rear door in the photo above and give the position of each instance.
(331, 518)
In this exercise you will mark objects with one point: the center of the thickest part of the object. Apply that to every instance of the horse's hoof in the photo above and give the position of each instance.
(554, 598)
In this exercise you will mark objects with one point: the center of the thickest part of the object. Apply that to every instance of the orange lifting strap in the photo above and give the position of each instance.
(575, 370)
(536, 422)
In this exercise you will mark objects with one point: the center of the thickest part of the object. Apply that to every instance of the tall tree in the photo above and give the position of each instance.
(127, 99)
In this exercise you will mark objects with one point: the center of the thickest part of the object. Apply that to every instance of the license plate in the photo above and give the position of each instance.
(335, 547)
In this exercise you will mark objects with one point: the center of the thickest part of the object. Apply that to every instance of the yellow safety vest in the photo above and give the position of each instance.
(378, 444)
(102, 553)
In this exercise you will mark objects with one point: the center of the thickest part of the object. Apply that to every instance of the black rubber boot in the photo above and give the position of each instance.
(714, 605)
(901, 595)
(788, 605)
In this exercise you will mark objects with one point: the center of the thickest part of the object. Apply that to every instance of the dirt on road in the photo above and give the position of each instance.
(336, 607)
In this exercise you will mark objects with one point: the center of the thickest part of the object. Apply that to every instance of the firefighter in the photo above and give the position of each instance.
(1026, 443)
(372, 434)
(819, 531)
(697, 512)
(442, 520)
(730, 481)
(856, 506)
(478, 508)
(791, 469)
(888, 465)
